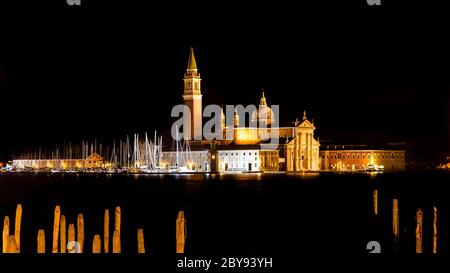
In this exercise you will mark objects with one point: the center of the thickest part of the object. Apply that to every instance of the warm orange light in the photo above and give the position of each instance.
(246, 136)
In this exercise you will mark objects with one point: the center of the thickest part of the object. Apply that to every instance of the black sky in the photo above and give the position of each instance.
(107, 69)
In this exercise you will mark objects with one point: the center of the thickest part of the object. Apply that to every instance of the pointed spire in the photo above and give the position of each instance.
(191, 62)
(236, 118)
(304, 115)
(262, 101)
(222, 119)
(222, 114)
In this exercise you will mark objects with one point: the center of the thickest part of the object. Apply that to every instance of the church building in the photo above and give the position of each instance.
(249, 149)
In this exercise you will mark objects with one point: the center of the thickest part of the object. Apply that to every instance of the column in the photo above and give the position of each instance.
(310, 151)
(295, 165)
(308, 163)
(300, 150)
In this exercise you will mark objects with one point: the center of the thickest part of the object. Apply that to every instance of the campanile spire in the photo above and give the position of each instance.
(192, 97)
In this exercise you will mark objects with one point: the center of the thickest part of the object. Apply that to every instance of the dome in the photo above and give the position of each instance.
(263, 113)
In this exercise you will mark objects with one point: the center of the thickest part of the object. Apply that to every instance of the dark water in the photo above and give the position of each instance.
(236, 214)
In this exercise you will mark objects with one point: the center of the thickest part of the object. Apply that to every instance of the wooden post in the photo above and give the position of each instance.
(17, 225)
(435, 230)
(71, 238)
(375, 202)
(116, 242)
(41, 242)
(395, 220)
(5, 235)
(63, 234)
(419, 218)
(106, 232)
(97, 244)
(117, 219)
(180, 232)
(116, 235)
(140, 239)
(80, 232)
(12, 246)
(56, 221)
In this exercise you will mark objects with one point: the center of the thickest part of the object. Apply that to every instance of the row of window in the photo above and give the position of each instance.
(304, 151)
(269, 153)
(270, 164)
(359, 166)
(231, 159)
(237, 165)
(226, 154)
(353, 156)
(189, 85)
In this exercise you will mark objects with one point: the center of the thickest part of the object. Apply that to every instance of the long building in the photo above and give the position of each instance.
(94, 161)
(247, 158)
(362, 157)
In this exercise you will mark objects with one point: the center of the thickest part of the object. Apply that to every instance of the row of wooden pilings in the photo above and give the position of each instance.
(71, 240)
(419, 223)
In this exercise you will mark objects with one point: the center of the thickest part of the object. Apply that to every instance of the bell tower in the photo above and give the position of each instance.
(193, 98)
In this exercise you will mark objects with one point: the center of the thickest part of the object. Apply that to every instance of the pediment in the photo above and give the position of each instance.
(305, 124)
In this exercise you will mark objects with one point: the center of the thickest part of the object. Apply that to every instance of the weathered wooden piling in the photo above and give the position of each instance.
(17, 225)
(41, 241)
(106, 232)
(375, 203)
(56, 222)
(116, 242)
(97, 244)
(71, 239)
(63, 235)
(180, 232)
(80, 232)
(395, 220)
(434, 230)
(419, 218)
(117, 216)
(140, 240)
(12, 245)
(116, 235)
(6, 226)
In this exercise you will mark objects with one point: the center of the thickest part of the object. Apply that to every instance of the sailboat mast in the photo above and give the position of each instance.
(176, 145)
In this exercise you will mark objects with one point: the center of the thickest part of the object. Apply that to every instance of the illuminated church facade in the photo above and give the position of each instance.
(250, 149)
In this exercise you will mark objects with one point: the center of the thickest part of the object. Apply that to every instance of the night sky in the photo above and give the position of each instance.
(107, 69)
